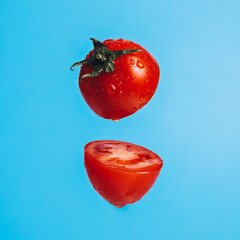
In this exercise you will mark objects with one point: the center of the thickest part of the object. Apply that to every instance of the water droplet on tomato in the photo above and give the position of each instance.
(140, 64)
(120, 93)
(101, 90)
(116, 120)
(132, 61)
(110, 88)
(118, 206)
(141, 97)
(119, 84)
(141, 105)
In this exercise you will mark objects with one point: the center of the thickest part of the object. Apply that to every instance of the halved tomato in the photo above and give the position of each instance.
(121, 172)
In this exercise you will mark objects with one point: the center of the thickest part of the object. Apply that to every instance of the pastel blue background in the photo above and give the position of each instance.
(193, 121)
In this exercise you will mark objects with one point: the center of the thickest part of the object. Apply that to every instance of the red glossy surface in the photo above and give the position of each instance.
(128, 88)
(121, 172)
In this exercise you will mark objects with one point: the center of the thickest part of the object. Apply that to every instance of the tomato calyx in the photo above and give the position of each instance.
(102, 59)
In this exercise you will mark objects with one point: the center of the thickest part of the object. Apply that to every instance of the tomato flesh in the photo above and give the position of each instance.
(127, 89)
(121, 172)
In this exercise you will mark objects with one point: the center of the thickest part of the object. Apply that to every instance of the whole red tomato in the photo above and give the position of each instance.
(121, 172)
(118, 78)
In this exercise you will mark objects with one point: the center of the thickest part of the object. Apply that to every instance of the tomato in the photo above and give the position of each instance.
(117, 85)
(121, 172)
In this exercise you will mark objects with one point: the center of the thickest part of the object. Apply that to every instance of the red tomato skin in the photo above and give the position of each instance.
(117, 186)
(128, 88)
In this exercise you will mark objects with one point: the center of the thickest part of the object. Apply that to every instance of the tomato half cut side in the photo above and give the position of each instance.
(121, 172)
